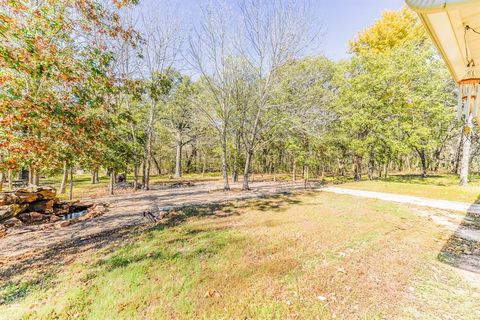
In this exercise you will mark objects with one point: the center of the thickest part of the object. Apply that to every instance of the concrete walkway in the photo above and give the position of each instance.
(419, 201)
(466, 232)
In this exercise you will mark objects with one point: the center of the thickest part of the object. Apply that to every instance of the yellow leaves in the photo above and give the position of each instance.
(393, 29)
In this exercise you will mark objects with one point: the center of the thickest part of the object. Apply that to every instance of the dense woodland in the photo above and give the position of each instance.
(106, 87)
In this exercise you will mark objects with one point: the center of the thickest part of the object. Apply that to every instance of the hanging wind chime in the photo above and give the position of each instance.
(468, 97)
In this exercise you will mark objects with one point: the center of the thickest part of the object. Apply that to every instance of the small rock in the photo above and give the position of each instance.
(87, 216)
(42, 206)
(32, 217)
(53, 218)
(7, 198)
(65, 223)
(97, 210)
(12, 222)
(79, 206)
(3, 231)
(12, 210)
(322, 298)
(27, 197)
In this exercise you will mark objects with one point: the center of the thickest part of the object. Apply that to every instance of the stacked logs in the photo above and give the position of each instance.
(34, 205)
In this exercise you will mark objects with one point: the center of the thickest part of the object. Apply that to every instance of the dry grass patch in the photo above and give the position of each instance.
(313, 256)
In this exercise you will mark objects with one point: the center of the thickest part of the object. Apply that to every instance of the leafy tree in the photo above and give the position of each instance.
(51, 68)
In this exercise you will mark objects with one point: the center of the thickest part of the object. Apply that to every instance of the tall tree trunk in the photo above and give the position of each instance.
(10, 177)
(371, 165)
(30, 175)
(357, 168)
(33, 177)
(157, 165)
(94, 179)
(144, 172)
(70, 194)
(306, 176)
(204, 165)
(36, 178)
(148, 147)
(226, 186)
(235, 157)
(294, 169)
(423, 161)
(246, 170)
(436, 159)
(63, 184)
(147, 175)
(136, 164)
(191, 160)
(112, 183)
(467, 142)
(323, 171)
(135, 176)
(387, 164)
(178, 155)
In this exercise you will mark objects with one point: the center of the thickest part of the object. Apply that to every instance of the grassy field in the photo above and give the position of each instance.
(311, 256)
(442, 186)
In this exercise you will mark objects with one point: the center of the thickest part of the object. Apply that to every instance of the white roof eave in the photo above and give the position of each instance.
(445, 22)
(429, 6)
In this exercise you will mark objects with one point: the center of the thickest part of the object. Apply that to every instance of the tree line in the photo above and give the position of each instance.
(98, 86)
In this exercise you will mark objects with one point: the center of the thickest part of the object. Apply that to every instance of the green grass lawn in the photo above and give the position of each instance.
(441, 186)
(311, 256)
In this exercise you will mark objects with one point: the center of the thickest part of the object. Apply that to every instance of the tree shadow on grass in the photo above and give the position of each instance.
(431, 179)
(462, 249)
(46, 263)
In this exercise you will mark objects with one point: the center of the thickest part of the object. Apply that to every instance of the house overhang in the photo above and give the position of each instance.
(445, 22)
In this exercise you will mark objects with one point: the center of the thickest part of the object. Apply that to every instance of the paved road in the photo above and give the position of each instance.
(419, 201)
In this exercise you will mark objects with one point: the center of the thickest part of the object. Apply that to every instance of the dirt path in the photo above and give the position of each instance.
(125, 213)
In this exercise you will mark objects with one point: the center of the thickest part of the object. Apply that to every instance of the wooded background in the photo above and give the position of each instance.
(107, 87)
